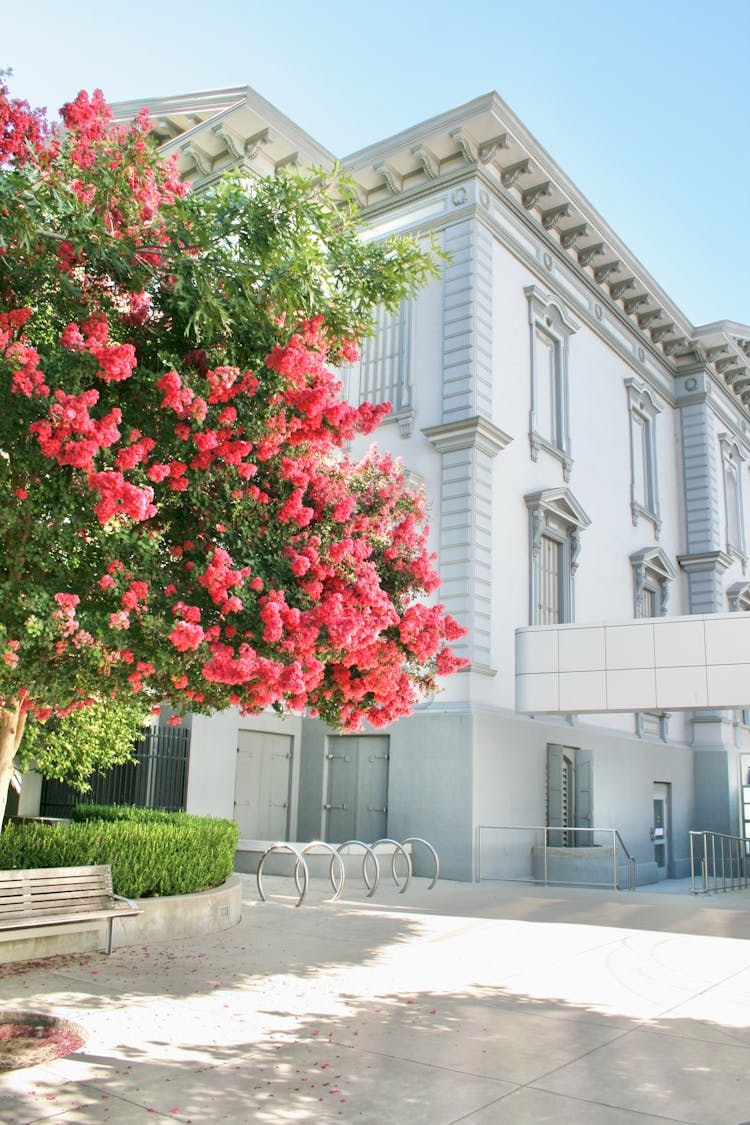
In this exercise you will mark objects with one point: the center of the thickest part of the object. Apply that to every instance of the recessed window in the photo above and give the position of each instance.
(652, 575)
(556, 520)
(383, 371)
(731, 459)
(644, 491)
(550, 329)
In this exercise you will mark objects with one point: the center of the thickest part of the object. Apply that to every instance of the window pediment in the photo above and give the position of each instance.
(560, 503)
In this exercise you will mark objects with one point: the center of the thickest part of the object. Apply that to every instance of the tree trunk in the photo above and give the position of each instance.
(12, 722)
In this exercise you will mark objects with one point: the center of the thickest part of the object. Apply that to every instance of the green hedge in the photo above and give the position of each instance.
(157, 855)
(130, 812)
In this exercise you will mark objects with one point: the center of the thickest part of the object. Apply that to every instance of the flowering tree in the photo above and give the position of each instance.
(179, 520)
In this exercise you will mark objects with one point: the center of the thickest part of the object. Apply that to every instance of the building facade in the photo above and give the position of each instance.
(584, 449)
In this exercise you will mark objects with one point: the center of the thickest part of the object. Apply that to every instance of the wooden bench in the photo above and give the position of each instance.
(54, 896)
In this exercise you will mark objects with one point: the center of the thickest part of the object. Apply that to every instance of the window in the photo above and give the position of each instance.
(556, 520)
(732, 458)
(738, 599)
(550, 329)
(644, 493)
(383, 371)
(550, 568)
(569, 796)
(652, 574)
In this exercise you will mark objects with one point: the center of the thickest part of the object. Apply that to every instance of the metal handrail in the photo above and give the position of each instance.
(733, 850)
(547, 828)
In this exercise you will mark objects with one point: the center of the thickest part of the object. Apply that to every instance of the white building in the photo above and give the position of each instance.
(584, 447)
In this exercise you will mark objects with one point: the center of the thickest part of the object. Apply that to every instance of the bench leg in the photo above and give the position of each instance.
(110, 924)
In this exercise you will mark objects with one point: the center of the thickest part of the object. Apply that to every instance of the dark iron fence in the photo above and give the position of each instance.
(156, 779)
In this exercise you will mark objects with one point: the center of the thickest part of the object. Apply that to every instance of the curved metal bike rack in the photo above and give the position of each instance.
(428, 845)
(339, 878)
(405, 854)
(335, 860)
(369, 854)
(282, 847)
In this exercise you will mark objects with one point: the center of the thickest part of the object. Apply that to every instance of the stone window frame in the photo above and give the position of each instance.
(732, 459)
(403, 411)
(548, 315)
(556, 514)
(652, 570)
(644, 409)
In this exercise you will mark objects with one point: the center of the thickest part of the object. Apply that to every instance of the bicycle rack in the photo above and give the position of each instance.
(398, 848)
(336, 860)
(369, 854)
(301, 873)
(282, 847)
(428, 845)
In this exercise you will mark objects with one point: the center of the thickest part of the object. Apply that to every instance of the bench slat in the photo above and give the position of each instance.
(51, 896)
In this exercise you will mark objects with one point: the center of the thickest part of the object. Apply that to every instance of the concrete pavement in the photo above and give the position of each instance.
(472, 1004)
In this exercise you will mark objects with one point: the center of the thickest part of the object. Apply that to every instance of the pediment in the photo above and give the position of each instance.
(559, 502)
(654, 558)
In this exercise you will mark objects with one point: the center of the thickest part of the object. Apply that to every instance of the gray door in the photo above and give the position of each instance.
(660, 830)
(357, 794)
(261, 791)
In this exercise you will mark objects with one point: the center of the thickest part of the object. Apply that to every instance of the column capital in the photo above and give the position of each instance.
(468, 433)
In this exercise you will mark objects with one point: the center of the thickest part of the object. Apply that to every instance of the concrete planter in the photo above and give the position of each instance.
(163, 919)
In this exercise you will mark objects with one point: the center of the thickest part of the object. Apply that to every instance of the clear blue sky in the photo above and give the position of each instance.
(643, 104)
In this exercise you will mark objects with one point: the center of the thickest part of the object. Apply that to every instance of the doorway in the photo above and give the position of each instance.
(356, 806)
(261, 788)
(660, 829)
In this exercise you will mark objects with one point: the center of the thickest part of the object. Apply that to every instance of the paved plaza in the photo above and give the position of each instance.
(467, 1003)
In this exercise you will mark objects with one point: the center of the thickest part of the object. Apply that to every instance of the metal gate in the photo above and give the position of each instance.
(357, 802)
(156, 779)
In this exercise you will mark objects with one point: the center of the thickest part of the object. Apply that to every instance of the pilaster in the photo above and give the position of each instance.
(467, 322)
(467, 449)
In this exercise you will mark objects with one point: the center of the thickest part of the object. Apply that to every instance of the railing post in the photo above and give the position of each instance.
(545, 855)
(614, 860)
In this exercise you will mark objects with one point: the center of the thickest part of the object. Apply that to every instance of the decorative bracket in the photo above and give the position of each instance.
(569, 237)
(644, 319)
(663, 330)
(617, 288)
(489, 149)
(671, 347)
(633, 303)
(203, 161)
(467, 144)
(601, 273)
(531, 196)
(394, 180)
(587, 255)
(511, 172)
(551, 217)
(429, 162)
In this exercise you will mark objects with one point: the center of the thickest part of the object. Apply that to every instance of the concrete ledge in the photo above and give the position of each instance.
(163, 919)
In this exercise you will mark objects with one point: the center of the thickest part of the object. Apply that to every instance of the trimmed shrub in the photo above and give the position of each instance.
(149, 856)
(130, 812)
